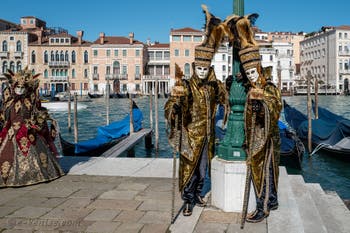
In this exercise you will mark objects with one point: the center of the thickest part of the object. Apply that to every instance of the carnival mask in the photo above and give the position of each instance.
(202, 71)
(252, 74)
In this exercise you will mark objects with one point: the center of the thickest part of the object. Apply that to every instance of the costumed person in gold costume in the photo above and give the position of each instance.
(262, 111)
(27, 150)
(195, 102)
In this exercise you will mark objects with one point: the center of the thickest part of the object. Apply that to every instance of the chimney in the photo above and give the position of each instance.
(40, 36)
(131, 37)
(102, 38)
(148, 41)
(80, 36)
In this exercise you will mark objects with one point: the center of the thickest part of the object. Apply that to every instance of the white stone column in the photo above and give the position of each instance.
(227, 185)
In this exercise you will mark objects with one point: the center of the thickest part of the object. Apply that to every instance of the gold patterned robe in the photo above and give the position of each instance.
(264, 144)
(27, 150)
(197, 127)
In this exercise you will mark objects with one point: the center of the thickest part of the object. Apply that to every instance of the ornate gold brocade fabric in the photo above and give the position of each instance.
(197, 121)
(265, 143)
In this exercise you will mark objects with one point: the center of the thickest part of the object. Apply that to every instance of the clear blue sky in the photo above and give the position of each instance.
(154, 18)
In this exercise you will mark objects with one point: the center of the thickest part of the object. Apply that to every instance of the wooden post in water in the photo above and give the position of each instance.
(69, 106)
(156, 116)
(316, 97)
(107, 100)
(151, 109)
(309, 136)
(75, 118)
(131, 116)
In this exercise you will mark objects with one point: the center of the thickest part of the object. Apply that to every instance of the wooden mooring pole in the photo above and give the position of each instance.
(75, 118)
(69, 106)
(156, 116)
(309, 117)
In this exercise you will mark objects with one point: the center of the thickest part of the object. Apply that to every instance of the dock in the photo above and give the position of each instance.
(126, 143)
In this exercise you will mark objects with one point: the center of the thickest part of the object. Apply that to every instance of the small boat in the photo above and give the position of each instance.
(58, 106)
(292, 148)
(107, 136)
(330, 135)
(95, 95)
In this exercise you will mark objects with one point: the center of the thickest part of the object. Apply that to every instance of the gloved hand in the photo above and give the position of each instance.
(177, 109)
(256, 105)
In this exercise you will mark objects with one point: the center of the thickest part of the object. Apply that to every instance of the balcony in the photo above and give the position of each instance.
(4, 54)
(95, 77)
(59, 63)
(137, 76)
(120, 76)
(156, 77)
(58, 78)
(18, 54)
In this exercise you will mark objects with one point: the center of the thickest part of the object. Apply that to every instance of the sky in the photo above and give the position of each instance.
(154, 19)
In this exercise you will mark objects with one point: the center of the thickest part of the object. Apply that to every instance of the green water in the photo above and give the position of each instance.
(332, 174)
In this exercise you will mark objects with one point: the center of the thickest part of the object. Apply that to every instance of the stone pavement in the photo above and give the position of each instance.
(102, 195)
(88, 203)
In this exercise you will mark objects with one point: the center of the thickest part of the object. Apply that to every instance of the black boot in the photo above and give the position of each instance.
(187, 210)
(257, 216)
(199, 201)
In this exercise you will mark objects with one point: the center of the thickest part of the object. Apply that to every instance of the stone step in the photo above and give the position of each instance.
(311, 219)
(333, 211)
(286, 218)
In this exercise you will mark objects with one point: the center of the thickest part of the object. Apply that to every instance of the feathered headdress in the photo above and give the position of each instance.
(240, 28)
(24, 78)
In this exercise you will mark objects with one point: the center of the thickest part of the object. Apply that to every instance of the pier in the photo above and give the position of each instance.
(134, 195)
(127, 143)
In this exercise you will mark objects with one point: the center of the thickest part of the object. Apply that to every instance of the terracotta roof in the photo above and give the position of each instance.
(62, 34)
(116, 40)
(158, 45)
(343, 27)
(187, 29)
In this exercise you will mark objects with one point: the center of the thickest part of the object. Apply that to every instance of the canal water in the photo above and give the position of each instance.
(332, 174)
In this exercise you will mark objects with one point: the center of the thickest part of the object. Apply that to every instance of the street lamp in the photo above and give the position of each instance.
(231, 146)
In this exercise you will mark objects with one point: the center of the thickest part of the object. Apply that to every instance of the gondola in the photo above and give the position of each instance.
(107, 137)
(330, 132)
(94, 95)
(292, 148)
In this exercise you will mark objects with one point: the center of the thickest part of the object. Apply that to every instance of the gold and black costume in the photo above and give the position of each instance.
(262, 111)
(198, 115)
(27, 150)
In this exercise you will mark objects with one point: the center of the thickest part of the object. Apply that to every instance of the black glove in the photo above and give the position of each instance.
(256, 106)
(177, 109)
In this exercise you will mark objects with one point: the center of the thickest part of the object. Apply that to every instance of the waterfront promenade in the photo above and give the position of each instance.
(134, 195)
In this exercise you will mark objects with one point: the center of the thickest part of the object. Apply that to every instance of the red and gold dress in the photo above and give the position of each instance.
(27, 150)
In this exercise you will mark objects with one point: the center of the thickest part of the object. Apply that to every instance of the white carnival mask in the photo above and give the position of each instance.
(252, 74)
(202, 71)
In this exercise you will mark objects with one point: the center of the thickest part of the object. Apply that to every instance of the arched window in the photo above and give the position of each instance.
(187, 69)
(19, 46)
(86, 57)
(73, 56)
(12, 66)
(19, 66)
(116, 67)
(57, 56)
(52, 56)
(4, 67)
(33, 56)
(46, 74)
(85, 73)
(46, 57)
(66, 56)
(62, 56)
(53, 73)
(4, 46)
(73, 73)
